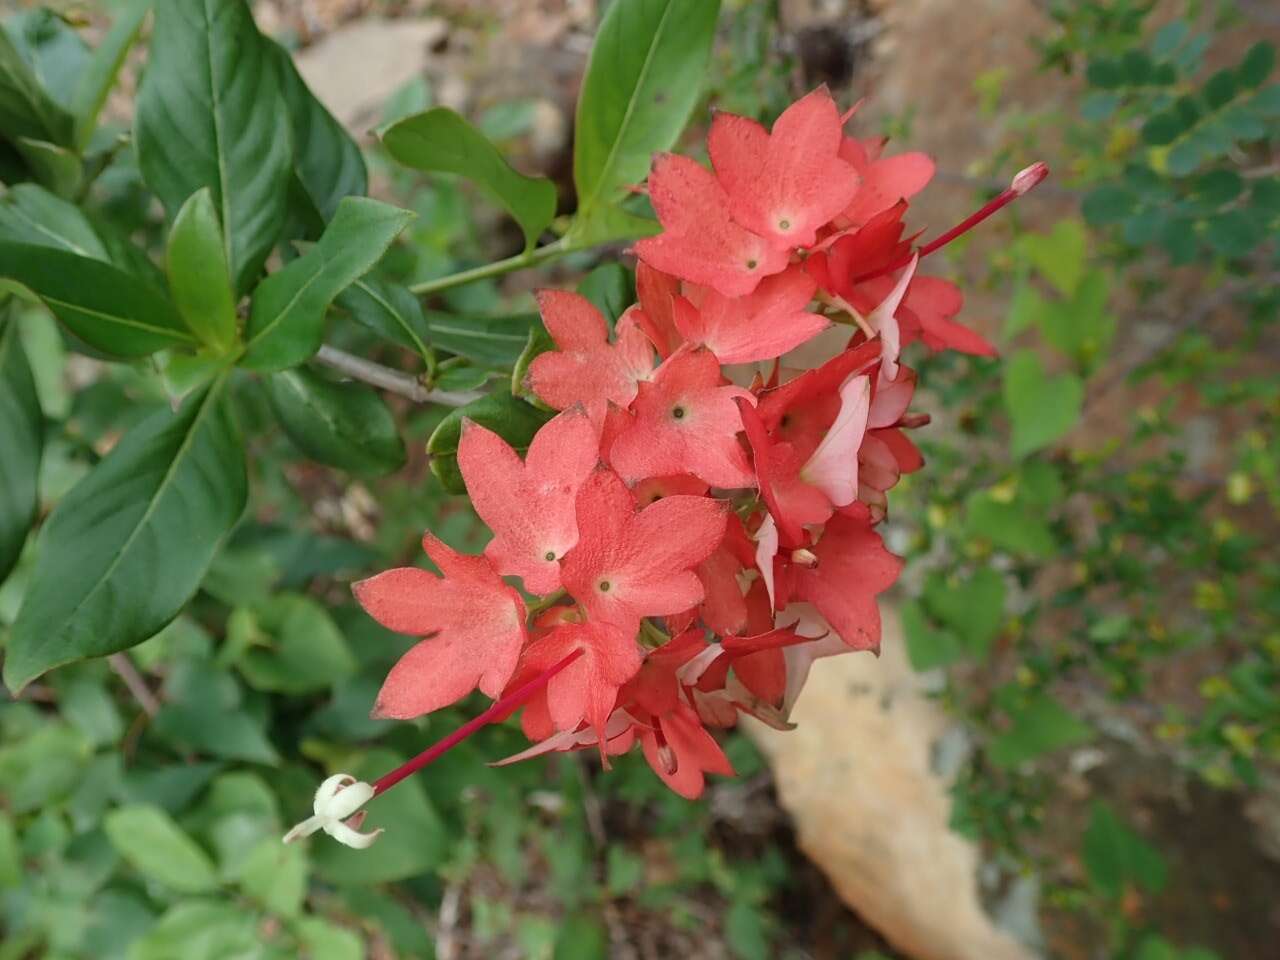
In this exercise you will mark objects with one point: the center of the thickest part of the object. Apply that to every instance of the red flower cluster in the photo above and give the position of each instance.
(694, 544)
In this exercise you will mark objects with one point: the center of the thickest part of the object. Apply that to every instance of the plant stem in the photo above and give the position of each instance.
(393, 381)
(520, 261)
(132, 679)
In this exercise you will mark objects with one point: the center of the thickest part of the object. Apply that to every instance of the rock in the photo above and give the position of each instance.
(357, 67)
(857, 778)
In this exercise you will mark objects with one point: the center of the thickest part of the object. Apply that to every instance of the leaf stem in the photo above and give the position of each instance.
(393, 381)
(521, 261)
(132, 679)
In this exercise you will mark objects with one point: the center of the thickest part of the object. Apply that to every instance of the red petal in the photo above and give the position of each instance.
(886, 181)
(529, 506)
(853, 567)
(685, 422)
(801, 185)
(700, 242)
(763, 325)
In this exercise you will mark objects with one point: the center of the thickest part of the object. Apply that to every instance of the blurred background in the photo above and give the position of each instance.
(1070, 746)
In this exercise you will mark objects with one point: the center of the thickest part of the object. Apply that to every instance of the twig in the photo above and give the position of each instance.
(520, 261)
(393, 381)
(128, 673)
(447, 925)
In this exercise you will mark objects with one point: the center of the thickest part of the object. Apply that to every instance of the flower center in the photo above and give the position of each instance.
(605, 586)
(550, 556)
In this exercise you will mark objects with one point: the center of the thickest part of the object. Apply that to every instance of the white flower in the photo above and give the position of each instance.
(336, 805)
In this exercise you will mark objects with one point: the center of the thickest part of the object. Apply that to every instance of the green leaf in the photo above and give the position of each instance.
(1016, 526)
(512, 419)
(31, 214)
(209, 729)
(643, 80)
(202, 930)
(286, 322)
(1042, 408)
(1040, 726)
(275, 875)
(21, 443)
(326, 161)
(341, 424)
(582, 937)
(157, 847)
(99, 75)
(1118, 858)
(43, 767)
(327, 941)
(126, 549)
(974, 608)
(298, 648)
(611, 288)
(1108, 203)
(491, 341)
(1257, 64)
(101, 304)
(928, 647)
(440, 140)
(199, 275)
(1059, 255)
(420, 841)
(1081, 327)
(26, 108)
(210, 114)
(53, 165)
(391, 311)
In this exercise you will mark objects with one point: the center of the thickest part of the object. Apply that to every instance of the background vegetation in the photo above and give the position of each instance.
(1091, 577)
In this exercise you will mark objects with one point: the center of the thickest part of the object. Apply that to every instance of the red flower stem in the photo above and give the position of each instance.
(1023, 182)
(498, 711)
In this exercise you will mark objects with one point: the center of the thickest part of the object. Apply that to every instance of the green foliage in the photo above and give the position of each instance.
(343, 425)
(21, 443)
(440, 140)
(128, 546)
(1117, 858)
(641, 84)
(199, 275)
(211, 115)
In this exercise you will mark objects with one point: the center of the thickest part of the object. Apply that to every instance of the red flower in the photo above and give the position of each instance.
(760, 326)
(685, 421)
(529, 506)
(631, 564)
(473, 622)
(700, 241)
(586, 368)
(785, 185)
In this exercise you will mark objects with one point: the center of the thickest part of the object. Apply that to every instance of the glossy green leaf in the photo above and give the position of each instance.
(420, 844)
(391, 311)
(326, 161)
(199, 275)
(99, 75)
(1042, 408)
(26, 108)
(492, 341)
(1258, 63)
(125, 550)
(21, 443)
(286, 323)
(642, 82)
(439, 140)
(1039, 726)
(1117, 858)
(53, 165)
(101, 304)
(344, 425)
(156, 847)
(512, 419)
(611, 288)
(31, 214)
(210, 114)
